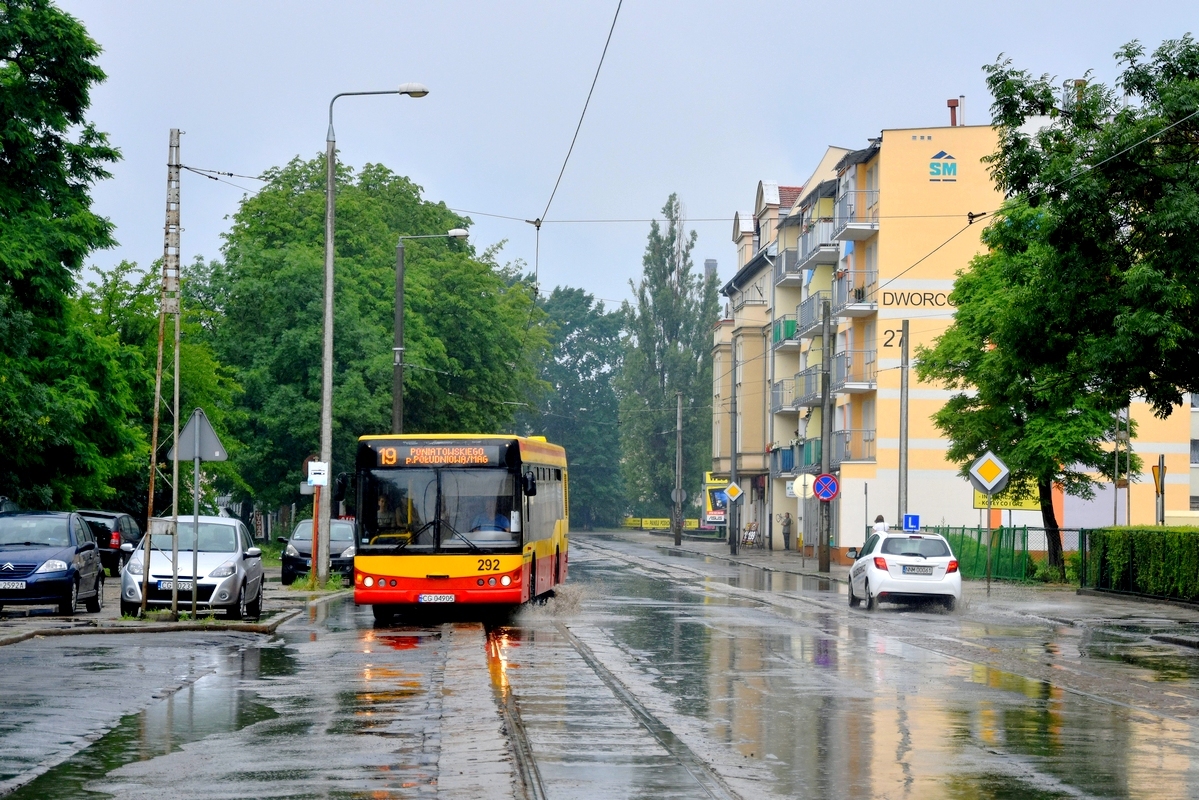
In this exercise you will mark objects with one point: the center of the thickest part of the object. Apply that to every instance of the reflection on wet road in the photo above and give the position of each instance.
(651, 675)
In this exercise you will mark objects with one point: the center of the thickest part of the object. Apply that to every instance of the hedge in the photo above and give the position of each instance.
(1157, 561)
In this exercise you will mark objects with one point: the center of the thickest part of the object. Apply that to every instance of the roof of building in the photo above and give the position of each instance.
(761, 260)
(858, 156)
(743, 223)
(788, 195)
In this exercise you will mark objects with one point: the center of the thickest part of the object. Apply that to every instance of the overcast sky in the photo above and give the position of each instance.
(700, 98)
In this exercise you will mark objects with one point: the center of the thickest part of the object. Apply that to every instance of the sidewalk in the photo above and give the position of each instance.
(772, 561)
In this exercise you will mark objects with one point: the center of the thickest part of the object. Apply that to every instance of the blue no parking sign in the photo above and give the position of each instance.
(825, 487)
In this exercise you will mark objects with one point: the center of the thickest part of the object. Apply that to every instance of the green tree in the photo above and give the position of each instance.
(472, 337)
(1046, 429)
(65, 397)
(1113, 172)
(580, 410)
(666, 350)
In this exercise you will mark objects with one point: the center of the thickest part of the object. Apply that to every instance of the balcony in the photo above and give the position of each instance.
(817, 245)
(808, 457)
(809, 314)
(806, 389)
(782, 463)
(786, 269)
(855, 294)
(852, 446)
(856, 217)
(782, 396)
(783, 336)
(855, 371)
(751, 296)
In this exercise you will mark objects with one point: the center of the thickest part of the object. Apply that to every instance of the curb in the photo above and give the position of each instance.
(1136, 598)
(173, 627)
(807, 574)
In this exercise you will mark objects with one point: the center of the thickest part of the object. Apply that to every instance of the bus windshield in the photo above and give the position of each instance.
(438, 510)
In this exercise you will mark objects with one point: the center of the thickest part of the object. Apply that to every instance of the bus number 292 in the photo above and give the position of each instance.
(489, 565)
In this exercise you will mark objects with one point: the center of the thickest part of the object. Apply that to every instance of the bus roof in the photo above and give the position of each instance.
(532, 448)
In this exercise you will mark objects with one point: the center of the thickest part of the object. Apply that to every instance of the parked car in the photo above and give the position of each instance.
(229, 569)
(49, 558)
(112, 530)
(8, 506)
(297, 556)
(899, 567)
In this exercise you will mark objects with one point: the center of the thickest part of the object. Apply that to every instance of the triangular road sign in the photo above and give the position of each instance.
(211, 448)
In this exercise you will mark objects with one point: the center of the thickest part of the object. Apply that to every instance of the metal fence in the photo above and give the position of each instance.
(1015, 550)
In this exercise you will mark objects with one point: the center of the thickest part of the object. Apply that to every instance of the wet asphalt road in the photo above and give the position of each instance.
(650, 675)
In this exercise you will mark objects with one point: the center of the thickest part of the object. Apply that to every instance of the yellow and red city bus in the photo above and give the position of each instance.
(458, 518)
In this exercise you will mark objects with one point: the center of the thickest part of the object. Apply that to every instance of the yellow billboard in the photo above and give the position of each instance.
(1006, 500)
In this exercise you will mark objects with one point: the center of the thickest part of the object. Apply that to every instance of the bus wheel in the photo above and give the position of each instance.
(383, 614)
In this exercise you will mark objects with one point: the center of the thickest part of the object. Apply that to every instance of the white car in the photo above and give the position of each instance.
(229, 569)
(899, 567)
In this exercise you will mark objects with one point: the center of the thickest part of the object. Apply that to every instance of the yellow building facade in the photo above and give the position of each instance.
(879, 233)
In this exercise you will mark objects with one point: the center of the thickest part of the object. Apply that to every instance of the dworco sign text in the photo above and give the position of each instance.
(921, 299)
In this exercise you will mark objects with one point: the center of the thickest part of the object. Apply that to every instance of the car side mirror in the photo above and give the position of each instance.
(253, 552)
(282, 539)
(87, 546)
(852, 553)
(529, 484)
(126, 548)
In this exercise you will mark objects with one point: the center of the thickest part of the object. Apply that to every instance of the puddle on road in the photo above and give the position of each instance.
(187, 716)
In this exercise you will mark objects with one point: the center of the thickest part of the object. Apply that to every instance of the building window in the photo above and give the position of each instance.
(1195, 451)
(1194, 503)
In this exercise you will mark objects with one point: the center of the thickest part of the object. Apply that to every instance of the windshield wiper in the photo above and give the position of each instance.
(413, 537)
(922, 555)
(474, 547)
(28, 544)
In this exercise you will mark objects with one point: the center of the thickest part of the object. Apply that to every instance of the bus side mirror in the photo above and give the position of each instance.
(529, 484)
(339, 488)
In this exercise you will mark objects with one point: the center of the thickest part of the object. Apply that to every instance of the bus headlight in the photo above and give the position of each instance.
(505, 580)
(368, 581)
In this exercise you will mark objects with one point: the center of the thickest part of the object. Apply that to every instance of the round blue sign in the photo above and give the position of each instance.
(825, 487)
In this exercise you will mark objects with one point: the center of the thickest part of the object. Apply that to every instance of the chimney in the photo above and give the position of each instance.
(709, 267)
(961, 109)
(953, 112)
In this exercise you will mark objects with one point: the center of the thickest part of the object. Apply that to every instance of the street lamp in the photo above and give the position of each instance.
(397, 377)
(321, 554)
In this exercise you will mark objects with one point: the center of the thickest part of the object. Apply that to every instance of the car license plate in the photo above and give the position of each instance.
(184, 586)
(12, 584)
(308, 562)
(917, 570)
(435, 598)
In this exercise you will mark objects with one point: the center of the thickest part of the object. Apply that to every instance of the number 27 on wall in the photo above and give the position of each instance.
(893, 337)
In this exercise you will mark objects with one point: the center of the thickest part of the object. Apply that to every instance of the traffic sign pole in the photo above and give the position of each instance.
(989, 537)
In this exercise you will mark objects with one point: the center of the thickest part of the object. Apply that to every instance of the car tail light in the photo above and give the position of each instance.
(114, 541)
(953, 566)
(880, 563)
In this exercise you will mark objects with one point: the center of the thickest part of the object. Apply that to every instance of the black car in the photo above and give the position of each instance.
(49, 558)
(112, 530)
(297, 556)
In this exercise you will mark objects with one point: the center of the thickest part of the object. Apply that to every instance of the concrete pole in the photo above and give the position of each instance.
(678, 472)
(903, 424)
(826, 429)
(397, 377)
(174, 485)
(320, 551)
(195, 513)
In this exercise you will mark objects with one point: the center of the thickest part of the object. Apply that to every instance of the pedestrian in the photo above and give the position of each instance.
(880, 524)
(787, 530)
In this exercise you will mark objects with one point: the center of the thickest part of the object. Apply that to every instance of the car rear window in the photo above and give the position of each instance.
(51, 531)
(905, 546)
(107, 523)
(338, 531)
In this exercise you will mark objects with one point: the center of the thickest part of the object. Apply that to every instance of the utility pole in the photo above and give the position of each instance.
(826, 428)
(169, 304)
(397, 377)
(678, 472)
(731, 516)
(903, 424)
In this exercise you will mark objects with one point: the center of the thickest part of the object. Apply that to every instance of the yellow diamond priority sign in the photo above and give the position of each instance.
(733, 491)
(989, 473)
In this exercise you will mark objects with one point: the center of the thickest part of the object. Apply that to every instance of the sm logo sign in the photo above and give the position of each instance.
(943, 168)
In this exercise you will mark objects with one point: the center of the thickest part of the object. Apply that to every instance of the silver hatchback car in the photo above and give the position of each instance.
(228, 573)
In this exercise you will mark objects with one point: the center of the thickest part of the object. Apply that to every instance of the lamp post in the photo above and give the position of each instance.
(397, 376)
(321, 551)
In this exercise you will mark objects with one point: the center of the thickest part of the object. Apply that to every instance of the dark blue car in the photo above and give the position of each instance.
(49, 558)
